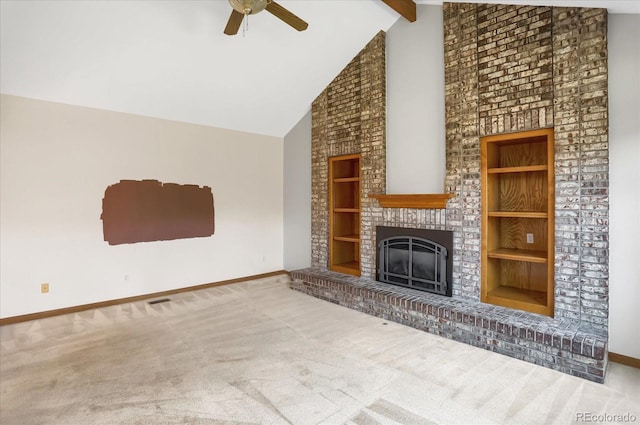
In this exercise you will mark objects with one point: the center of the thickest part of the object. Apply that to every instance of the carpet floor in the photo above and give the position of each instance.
(258, 352)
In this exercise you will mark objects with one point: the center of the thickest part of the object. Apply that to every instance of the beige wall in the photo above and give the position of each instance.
(56, 162)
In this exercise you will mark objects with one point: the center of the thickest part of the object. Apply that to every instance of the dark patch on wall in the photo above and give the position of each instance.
(148, 210)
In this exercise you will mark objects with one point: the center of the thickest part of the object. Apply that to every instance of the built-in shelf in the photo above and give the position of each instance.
(534, 301)
(350, 267)
(519, 255)
(517, 247)
(521, 169)
(344, 214)
(425, 201)
(518, 214)
(347, 238)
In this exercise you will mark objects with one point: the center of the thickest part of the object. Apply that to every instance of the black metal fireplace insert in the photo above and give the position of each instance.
(415, 258)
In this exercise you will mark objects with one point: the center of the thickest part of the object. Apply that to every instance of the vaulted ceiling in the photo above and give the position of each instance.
(170, 59)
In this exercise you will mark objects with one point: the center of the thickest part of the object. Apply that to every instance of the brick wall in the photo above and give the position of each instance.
(349, 117)
(580, 119)
(526, 68)
(515, 73)
(507, 68)
(462, 144)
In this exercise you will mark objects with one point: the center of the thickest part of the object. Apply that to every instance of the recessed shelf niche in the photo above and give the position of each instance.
(344, 214)
(518, 220)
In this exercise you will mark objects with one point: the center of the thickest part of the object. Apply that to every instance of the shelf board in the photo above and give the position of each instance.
(346, 210)
(518, 214)
(347, 238)
(352, 267)
(346, 180)
(423, 201)
(517, 295)
(527, 255)
(520, 169)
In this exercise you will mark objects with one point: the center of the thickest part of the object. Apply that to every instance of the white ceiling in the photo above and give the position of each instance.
(170, 59)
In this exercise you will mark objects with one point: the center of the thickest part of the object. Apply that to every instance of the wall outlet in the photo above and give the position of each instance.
(529, 237)
(44, 288)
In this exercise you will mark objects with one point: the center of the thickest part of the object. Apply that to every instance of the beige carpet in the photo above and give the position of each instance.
(260, 353)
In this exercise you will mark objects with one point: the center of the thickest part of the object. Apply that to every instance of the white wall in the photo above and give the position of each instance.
(415, 104)
(624, 155)
(297, 195)
(56, 162)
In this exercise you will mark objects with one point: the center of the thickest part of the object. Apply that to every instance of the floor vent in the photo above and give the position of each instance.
(162, 300)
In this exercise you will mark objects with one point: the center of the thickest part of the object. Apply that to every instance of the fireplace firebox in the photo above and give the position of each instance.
(416, 258)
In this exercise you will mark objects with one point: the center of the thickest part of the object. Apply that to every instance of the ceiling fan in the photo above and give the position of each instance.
(242, 8)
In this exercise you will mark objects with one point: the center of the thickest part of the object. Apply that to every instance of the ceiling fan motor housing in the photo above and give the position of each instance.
(249, 7)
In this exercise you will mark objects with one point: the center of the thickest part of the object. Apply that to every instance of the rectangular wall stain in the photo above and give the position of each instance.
(148, 210)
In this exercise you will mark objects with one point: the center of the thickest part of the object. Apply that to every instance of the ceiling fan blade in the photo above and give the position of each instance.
(286, 16)
(233, 24)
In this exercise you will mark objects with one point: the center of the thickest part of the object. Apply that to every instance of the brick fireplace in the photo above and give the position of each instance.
(507, 69)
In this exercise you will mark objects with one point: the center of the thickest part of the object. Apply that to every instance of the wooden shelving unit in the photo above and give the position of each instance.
(518, 220)
(344, 214)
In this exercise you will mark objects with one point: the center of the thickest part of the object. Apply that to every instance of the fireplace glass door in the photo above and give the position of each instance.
(414, 262)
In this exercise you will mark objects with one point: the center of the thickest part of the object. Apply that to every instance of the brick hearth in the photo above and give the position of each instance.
(556, 344)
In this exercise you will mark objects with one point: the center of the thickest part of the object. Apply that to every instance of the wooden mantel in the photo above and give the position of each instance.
(426, 201)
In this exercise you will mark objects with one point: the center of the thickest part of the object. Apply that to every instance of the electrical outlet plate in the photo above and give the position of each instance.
(529, 237)
(44, 288)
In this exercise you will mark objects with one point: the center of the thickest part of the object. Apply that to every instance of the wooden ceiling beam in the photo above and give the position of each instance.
(406, 8)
